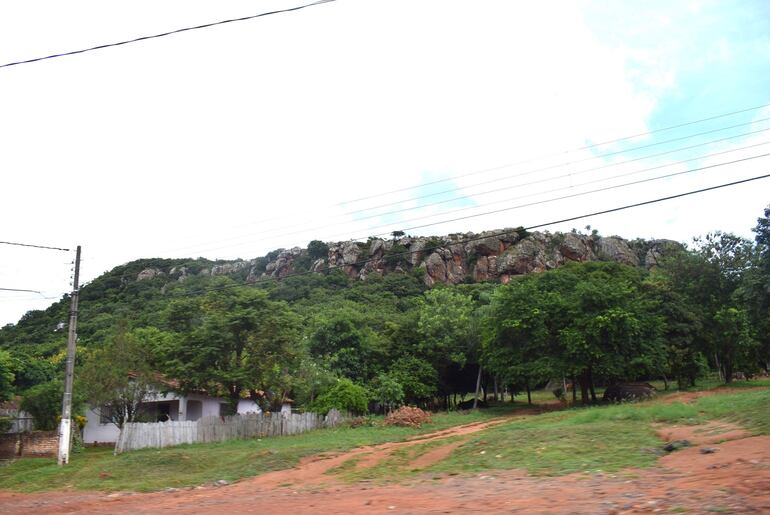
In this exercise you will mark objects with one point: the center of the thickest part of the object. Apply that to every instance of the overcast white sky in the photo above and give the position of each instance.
(236, 140)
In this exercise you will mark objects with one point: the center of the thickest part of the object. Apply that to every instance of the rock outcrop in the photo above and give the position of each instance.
(468, 257)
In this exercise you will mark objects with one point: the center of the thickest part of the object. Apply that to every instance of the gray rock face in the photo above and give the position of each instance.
(149, 273)
(229, 268)
(523, 258)
(490, 256)
(616, 249)
(575, 248)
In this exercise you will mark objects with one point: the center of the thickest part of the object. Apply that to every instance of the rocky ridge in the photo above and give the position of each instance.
(462, 257)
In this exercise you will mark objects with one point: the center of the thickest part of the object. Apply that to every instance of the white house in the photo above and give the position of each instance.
(164, 406)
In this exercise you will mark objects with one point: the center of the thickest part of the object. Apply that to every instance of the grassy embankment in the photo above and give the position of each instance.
(607, 438)
(594, 439)
(191, 465)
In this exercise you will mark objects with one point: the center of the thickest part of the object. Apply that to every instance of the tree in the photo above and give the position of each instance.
(737, 346)
(682, 328)
(755, 293)
(44, 402)
(119, 377)
(317, 249)
(448, 330)
(387, 391)
(238, 343)
(7, 377)
(345, 395)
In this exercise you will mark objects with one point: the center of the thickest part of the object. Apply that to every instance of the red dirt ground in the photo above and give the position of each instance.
(735, 479)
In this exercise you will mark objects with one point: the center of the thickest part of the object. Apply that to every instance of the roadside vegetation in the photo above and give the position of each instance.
(597, 438)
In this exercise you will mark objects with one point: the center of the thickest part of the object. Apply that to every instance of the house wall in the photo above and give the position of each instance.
(96, 432)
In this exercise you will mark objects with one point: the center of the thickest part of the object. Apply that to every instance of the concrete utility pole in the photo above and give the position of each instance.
(65, 429)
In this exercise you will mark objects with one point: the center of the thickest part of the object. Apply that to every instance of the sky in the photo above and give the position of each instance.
(356, 118)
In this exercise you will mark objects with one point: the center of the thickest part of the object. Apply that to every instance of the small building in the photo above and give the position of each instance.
(160, 407)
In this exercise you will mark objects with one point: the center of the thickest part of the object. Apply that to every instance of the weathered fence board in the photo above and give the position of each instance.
(219, 429)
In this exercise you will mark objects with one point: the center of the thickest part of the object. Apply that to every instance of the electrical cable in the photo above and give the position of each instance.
(31, 245)
(443, 213)
(16, 289)
(177, 31)
(555, 154)
(500, 167)
(497, 234)
(487, 192)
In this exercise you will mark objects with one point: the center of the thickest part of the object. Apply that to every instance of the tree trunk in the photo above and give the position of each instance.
(529, 395)
(665, 382)
(495, 386)
(719, 367)
(478, 387)
(574, 390)
(584, 387)
(591, 384)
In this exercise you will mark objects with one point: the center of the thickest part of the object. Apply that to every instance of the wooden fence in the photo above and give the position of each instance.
(139, 435)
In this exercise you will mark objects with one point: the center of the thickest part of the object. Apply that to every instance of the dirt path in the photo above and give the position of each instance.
(734, 478)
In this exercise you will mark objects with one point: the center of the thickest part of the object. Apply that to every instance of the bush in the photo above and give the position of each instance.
(43, 402)
(344, 396)
(408, 416)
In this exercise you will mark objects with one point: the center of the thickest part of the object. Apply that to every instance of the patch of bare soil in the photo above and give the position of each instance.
(709, 433)
(688, 397)
(734, 478)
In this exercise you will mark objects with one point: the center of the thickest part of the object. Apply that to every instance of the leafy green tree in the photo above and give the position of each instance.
(737, 347)
(417, 377)
(755, 293)
(7, 367)
(119, 377)
(448, 328)
(44, 403)
(238, 343)
(682, 327)
(345, 395)
(318, 250)
(387, 391)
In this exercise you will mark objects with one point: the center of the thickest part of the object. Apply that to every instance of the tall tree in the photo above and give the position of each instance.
(119, 377)
(239, 343)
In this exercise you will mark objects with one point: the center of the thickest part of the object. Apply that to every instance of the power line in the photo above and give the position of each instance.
(500, 167)
(545, 201)
(501, 233)
(31, 245)
(545, 156)
(574, 195)
(498, 179)
(17, 289)
(177, 31)
(487, 192)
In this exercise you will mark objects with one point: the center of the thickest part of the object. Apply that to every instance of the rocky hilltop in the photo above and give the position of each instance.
(463, 257)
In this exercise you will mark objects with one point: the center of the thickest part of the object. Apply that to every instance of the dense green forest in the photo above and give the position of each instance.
(324, 339)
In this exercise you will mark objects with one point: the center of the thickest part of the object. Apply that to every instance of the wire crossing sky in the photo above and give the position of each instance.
(163, 34)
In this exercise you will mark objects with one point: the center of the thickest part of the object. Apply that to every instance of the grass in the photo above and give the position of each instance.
(602, 438)
(191, 465)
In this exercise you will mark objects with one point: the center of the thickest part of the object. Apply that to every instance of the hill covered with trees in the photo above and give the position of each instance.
(413, 320)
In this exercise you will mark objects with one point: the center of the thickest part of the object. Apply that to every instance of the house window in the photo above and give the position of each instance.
(105, 415)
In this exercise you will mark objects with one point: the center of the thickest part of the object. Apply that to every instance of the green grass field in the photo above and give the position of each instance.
(600, 438)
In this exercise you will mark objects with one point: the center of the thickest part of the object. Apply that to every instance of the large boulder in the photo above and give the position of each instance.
(623, 392)
(524, 257)
(617, 249)
(149, 273)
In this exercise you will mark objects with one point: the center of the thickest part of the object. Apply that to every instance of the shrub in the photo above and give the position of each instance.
(344, 396)
(407, 416)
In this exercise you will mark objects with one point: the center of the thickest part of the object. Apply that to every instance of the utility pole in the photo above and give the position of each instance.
(65, 429)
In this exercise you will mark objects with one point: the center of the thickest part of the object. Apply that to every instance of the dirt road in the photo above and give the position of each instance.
(734, 478)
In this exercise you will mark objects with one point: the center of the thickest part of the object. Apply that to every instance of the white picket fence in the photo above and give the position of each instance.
(139, 435)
